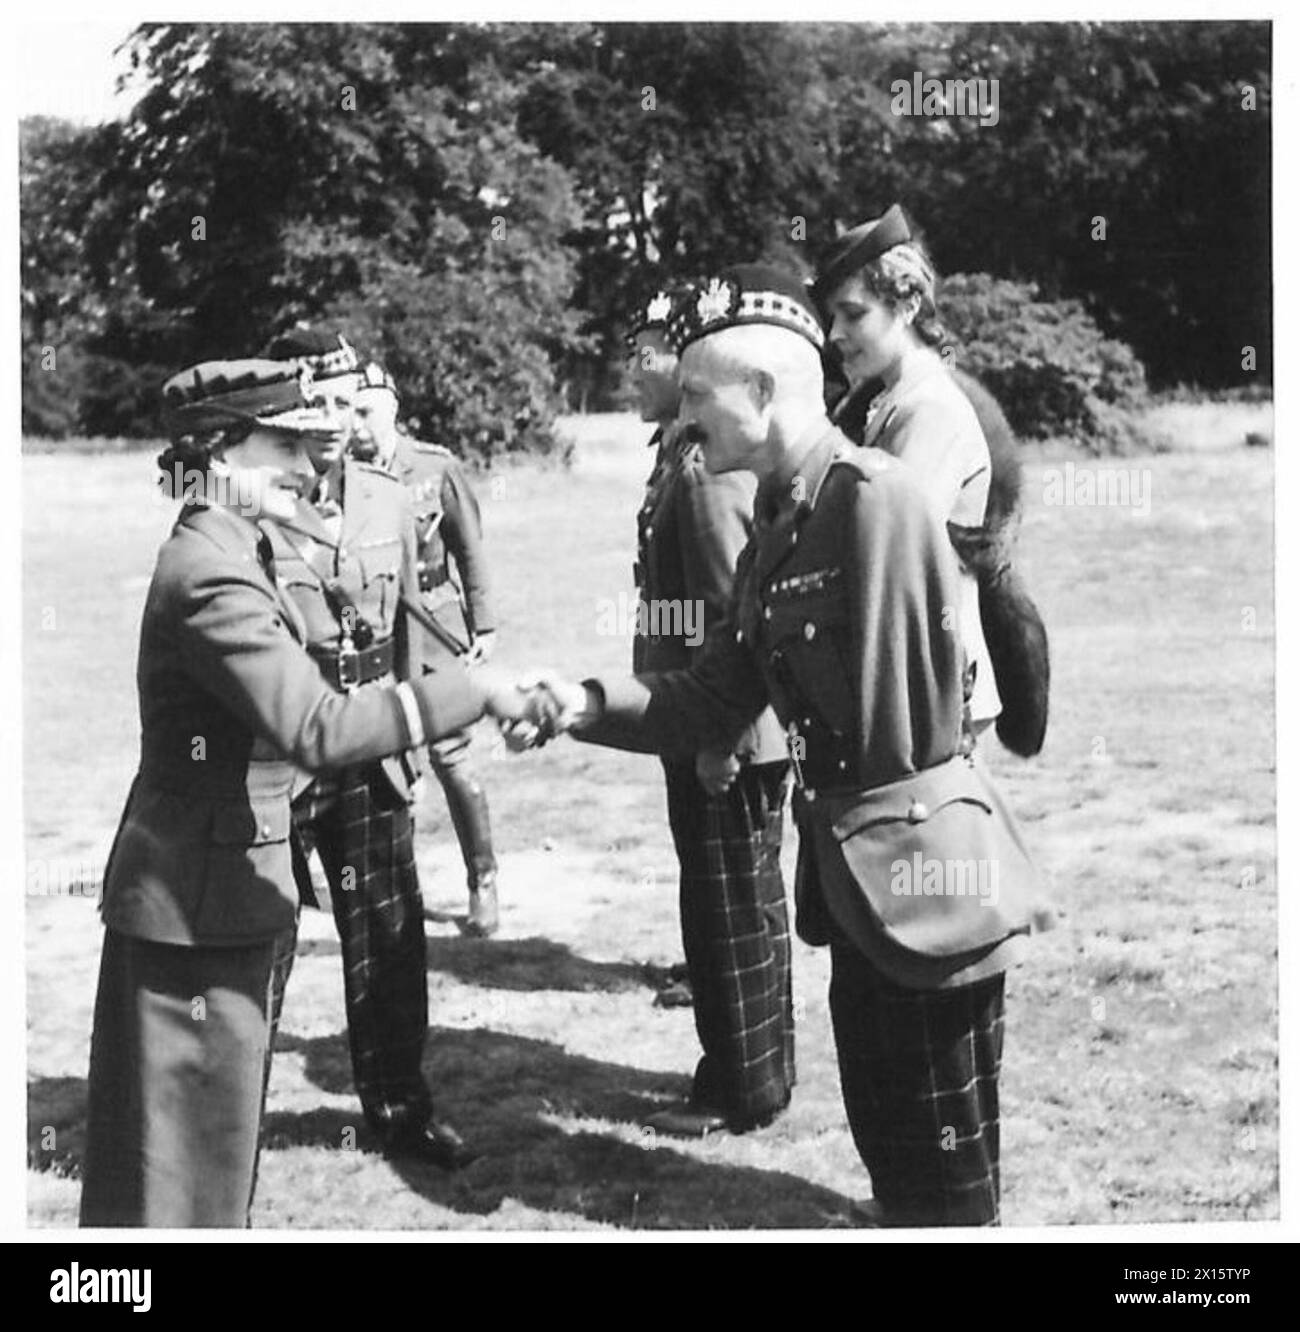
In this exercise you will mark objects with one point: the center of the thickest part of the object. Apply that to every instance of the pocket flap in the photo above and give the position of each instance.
(255, 823)
(914, 799)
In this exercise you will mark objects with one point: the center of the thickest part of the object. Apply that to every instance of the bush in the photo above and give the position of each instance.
(1052, 369)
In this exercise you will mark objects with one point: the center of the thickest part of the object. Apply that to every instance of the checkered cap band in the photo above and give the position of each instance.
(374, 376)
(725, 303)
(325, 355)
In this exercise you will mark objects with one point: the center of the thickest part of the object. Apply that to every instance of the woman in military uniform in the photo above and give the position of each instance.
(876, 289)
(199, 901)
(878, 292)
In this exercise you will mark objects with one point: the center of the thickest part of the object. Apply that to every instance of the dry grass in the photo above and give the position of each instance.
(1140, 1081)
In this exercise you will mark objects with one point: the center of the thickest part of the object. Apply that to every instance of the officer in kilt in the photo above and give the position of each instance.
(454, 590)
(726, 804)
(346, 561)
(841, 621)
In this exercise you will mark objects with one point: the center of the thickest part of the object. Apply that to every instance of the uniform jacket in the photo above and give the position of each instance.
(452, 566)
(838, 621)
(928, 422)
(371, 562)
(691, 529)
(231, 708)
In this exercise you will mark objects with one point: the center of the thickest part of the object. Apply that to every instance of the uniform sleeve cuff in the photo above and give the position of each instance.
(449, 700)
(624, 696)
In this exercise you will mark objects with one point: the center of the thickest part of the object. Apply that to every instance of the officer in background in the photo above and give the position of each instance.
(345, 561)
(454, 590)
(726, 804)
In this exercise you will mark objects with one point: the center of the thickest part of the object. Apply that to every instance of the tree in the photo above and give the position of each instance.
(272, 173)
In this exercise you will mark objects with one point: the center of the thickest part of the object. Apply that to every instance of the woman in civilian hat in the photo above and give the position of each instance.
(199, 901)
(877, 290)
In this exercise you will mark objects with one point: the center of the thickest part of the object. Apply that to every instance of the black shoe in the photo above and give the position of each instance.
(432, 1144)
(687, 1121)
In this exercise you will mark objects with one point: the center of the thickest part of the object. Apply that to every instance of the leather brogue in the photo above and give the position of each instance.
(433, 1144)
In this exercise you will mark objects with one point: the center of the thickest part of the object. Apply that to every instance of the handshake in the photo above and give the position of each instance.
(537, 708)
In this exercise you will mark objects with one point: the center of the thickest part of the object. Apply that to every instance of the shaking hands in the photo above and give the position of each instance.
(534, 710)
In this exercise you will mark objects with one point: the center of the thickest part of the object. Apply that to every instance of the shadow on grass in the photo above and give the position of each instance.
(511, 1097)
(521, 965)
(552, 1128)
(532, 964)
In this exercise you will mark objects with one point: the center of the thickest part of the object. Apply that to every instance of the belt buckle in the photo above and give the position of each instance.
(349, 666)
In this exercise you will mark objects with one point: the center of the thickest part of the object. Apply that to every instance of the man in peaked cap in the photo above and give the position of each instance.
(841, 621)
(726, 804)
(347, 561)
(455, 590)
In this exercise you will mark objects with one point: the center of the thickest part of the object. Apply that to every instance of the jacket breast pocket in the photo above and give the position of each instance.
(381, 566)
(812, 649)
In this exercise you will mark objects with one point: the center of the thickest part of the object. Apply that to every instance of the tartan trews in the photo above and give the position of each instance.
(919, 1074)
(364, 836)
(736, 935)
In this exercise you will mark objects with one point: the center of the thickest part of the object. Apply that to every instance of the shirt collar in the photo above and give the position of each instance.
(794, 485)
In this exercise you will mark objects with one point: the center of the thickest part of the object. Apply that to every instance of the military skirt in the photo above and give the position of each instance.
(179, 1061)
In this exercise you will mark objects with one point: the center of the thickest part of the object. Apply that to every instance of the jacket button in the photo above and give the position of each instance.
(917, 812)
(809, 630)
(266, 830)
(767, 612)
(649, 534)
(740, 635)
(842, 765)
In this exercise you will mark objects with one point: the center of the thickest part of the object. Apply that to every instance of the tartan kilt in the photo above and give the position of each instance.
(919, 1075)
(364, 834)
(736, 936)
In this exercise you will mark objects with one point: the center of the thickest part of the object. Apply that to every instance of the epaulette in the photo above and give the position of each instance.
(439, 449)
(868, 463)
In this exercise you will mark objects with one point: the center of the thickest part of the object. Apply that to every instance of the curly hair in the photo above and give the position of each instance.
(190, 454)
(904, 271)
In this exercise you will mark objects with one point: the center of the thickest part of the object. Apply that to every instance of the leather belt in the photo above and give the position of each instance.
(346, 667)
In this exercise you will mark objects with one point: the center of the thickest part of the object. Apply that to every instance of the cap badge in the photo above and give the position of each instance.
(715, 301)
(659, 309)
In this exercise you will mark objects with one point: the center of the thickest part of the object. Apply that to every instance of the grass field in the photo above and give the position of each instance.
(1140, 1081)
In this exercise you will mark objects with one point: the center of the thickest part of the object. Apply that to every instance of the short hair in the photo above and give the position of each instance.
(789, 358)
